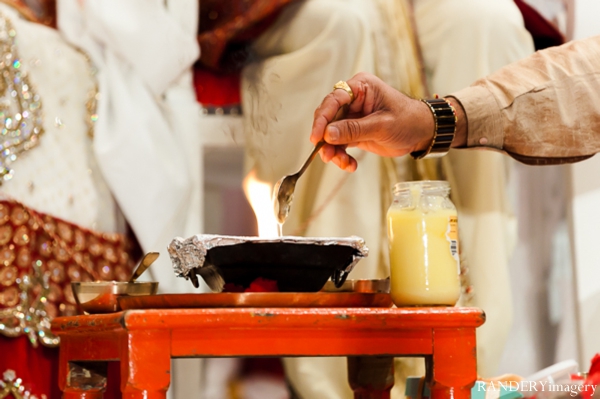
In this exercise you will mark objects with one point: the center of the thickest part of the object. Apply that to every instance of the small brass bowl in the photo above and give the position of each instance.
(101, 296)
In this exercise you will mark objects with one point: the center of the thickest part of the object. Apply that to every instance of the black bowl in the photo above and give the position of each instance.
(297, 264)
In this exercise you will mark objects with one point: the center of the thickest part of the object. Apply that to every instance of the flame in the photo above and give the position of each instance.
(259, 195)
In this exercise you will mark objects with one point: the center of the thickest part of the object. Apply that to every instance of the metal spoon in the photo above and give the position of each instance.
(283, 192)
(146, 261)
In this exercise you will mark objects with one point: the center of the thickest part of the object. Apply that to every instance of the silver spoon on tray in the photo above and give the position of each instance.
(283, 192)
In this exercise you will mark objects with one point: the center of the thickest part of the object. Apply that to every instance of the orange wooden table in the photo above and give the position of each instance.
(145, 341)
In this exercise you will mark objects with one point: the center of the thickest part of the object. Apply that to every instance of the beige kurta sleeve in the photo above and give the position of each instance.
(544, 109)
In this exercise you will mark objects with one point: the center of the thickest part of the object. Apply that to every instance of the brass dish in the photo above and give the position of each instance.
(101, 296)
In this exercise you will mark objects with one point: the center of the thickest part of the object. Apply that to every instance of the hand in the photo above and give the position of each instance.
(380, 120)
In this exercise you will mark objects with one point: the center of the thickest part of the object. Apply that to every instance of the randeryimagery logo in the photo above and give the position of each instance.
(535, 386)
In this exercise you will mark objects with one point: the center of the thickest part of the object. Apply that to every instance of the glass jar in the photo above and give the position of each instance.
(423, 242)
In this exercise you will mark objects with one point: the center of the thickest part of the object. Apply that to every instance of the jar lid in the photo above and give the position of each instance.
(425, 186)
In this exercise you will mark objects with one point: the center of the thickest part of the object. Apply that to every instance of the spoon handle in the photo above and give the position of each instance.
(147, 260)
(341, 114)
(310, 158)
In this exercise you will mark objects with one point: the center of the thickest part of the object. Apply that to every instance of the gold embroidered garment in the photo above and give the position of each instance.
(39, 258)
(20, 119)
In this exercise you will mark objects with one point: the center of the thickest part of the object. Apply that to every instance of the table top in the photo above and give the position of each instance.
(324, 318)
(270, 331)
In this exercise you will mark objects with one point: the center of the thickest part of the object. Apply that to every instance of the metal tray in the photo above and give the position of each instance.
(257, 300)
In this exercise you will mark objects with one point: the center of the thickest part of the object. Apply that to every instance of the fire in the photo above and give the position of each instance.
(259, 195)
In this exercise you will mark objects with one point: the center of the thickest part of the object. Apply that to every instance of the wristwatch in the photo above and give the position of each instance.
(444, 118)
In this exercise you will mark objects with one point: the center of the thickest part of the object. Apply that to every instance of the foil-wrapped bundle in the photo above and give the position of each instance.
(298, 264)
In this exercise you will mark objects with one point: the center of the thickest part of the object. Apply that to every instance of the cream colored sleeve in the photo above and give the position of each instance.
(544, 109)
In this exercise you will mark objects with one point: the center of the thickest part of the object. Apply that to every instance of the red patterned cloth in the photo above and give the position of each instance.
(227, 28)
(225, 35)
(544, 33)
(39, 258)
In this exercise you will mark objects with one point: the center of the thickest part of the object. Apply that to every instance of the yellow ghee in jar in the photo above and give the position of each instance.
(423, 243)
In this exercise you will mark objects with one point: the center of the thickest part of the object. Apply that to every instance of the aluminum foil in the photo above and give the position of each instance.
(189, 254)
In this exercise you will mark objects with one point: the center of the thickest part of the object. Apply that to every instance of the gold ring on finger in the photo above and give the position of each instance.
(344, 86)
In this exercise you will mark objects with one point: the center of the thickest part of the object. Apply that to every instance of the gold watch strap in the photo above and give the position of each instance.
(444, 117)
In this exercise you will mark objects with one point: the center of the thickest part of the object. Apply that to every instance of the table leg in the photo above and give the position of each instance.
(83, 380)
(371, 377)
(146, 365)
(452, 369)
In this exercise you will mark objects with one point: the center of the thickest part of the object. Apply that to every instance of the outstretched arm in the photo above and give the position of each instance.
(544, 109)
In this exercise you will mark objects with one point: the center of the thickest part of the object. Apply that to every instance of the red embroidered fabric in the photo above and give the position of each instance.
(63, 252)
(226, 29)
(40, 256)
(225, 35)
